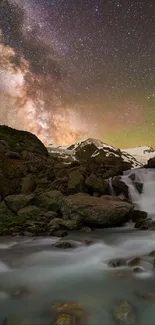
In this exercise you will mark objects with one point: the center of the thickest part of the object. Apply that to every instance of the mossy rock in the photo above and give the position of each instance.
(19, 141)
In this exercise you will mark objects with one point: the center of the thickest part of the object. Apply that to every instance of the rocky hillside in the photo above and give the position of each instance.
(45, 193)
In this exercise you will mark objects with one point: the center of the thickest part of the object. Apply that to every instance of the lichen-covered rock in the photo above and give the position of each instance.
(66, 319)
(99, 212)
(18, 202)
(71, 308)
(95, 184)
(30, 211)
(123, 313)
(50, 200)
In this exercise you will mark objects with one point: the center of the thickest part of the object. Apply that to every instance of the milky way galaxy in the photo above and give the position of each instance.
(71, 69)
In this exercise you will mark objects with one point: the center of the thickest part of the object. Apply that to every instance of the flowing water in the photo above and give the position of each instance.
(81, 274)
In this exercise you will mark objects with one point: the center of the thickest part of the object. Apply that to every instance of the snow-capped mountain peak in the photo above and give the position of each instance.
(141, 153)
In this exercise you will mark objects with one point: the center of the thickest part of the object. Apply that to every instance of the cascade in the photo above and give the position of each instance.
(144, 201)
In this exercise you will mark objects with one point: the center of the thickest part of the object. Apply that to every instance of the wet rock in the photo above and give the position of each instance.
(75, 181)
(119, 186)
(123, 313)
(86, 229)
(50, 200)
(138, 269)
(138, 215)
(18, 202)
(71, 308)
(28, 184)
(98, 212)
(65, 319)
(142, 224)
(117, 263)
(135, 261)
(96, 185)
(60, 233)
(64, 244)
(132, 176)
(139, 187)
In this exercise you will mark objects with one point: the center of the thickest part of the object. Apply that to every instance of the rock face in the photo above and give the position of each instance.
(100, 212)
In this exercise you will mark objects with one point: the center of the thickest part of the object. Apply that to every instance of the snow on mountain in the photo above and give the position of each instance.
(91, 148)
(142, 153)
(99, 144)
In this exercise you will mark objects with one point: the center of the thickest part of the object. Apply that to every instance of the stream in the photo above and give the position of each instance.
(82, 274)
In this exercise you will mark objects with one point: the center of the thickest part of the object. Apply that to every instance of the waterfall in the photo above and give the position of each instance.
(111, 189)
(146, 200)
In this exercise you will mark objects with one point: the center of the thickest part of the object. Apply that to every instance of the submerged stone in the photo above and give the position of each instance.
(123, 313)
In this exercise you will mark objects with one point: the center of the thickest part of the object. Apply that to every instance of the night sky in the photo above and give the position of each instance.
(71, 69)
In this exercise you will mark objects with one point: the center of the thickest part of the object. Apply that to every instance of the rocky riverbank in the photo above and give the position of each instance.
(43, 194)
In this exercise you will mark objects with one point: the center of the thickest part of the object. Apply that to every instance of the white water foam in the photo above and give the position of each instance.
(146, 200)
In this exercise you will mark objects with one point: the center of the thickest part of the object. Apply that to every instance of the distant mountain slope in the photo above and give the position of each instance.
(91, 149)
(141, 153)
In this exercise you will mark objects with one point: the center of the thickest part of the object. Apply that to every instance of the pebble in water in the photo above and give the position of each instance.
(123, 313)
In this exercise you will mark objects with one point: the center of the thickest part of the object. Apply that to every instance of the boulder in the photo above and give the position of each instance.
(95, 184)
(28, 184)
(18, 202)
(105, 211)
(50, 200)
(138, 215)
(75, 181)
(30, 211)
